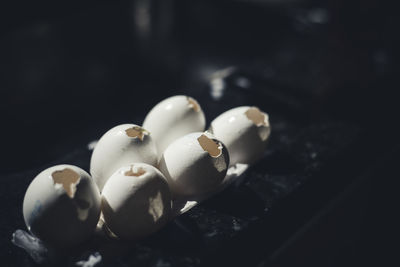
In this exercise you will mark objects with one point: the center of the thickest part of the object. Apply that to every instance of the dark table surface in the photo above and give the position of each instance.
(323, 191)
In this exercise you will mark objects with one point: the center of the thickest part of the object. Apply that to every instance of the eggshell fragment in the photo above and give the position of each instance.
(120, 146)
(172, 118)
(194, 164)
(136, 201)
(62, 205)
(244, 131)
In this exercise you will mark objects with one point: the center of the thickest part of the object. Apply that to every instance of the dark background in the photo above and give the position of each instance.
(70, 70)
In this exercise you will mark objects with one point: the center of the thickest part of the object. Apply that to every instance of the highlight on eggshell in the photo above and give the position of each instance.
(194, 164)
(62, 205)
(136, 201)
(172, 118)
(121, 146)
(245, 131)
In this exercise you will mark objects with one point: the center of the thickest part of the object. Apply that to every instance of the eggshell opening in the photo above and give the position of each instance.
(193, 104)
(214, 149)
(136, 132)
(135, 172)
(256, 116)
(68, 178)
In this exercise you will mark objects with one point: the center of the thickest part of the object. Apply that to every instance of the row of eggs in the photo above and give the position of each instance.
(136, 172)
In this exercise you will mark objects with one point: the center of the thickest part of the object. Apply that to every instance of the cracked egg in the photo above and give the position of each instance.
(244, 131)
(194, 164)
(136, 201)
(120, 146)
(62, 205)
(172, 118)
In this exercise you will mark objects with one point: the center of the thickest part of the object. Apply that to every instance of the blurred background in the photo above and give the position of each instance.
(66, 69)
(70, 70)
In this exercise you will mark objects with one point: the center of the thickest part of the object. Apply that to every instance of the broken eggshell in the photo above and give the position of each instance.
(62, 205)
(172, 118)
(244, 131)
(194, 164)
(136, 201)
(120, 146)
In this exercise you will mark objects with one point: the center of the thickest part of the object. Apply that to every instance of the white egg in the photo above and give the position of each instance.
(136, 201)
(62, 205)
(120, 146)
(194, 164)
(244, 131)
(172, 118)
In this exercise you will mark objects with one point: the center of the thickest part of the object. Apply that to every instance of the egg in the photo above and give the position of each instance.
(244, 131)
(172, 118)
(136, 201)
(62, 205)
(120, 146)
(194, 164)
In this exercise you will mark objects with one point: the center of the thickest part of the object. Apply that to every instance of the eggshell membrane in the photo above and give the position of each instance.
(120, 146)
(136, 201)
(245, 131)
(62, 205)
(172, 118)
(190, 169)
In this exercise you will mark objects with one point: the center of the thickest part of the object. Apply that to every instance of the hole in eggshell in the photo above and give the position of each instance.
(138, 172)
(68, 178)
(136, 132)
(193, 104)
(256, 116)
(213, 148)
